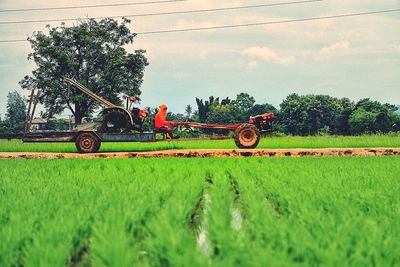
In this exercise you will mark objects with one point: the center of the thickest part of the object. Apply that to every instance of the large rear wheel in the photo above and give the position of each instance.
(115, 121)
(247, 136)
(87, 143)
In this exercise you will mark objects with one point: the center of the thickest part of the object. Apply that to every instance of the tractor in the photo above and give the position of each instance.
(115, 119)
(121, 124)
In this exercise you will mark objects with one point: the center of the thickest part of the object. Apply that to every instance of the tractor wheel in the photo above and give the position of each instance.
(247, 136)
(87, 143)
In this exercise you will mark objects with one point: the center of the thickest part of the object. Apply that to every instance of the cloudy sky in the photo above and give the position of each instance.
(353, 57)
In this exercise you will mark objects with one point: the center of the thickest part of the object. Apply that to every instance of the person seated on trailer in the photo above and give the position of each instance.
(160, 121)
(136, 112)
(133, 100)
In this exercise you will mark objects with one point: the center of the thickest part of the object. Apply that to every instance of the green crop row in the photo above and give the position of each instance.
(266, 142)
(200, 212)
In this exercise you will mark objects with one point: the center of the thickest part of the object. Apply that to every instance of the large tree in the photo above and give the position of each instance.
(91, 52)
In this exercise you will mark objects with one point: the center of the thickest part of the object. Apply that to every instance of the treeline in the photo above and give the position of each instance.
(296, 115)
(302, 114)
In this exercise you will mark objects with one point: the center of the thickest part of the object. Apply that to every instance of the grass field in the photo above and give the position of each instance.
(200, 212)
(267, 142)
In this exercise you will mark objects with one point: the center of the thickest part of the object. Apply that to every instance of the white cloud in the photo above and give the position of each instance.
(252, 64)
(336, 48)
(267, 54)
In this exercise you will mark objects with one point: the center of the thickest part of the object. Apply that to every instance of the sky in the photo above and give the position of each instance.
(354, 57)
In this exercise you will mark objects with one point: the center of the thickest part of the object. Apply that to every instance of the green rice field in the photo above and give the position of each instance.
(323, 211)
(266, 142)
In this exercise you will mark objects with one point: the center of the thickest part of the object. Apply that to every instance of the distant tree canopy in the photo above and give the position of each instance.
(373, 117)
(15, 115)
(90, 52)
(203, 107)
(307, 114)
(298, 114)
(230, 111)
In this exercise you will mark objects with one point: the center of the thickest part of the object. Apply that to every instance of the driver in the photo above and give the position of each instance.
(161, 123)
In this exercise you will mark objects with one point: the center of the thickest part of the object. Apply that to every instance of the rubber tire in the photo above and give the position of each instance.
(247, 136)
(87, 143)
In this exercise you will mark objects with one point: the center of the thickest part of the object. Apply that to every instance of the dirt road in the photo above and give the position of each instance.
(205, 153)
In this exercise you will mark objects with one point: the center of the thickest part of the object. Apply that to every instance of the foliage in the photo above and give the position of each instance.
(15, 115)
(188, 111)
(372, 117)
(242, 105)
(231, 111)
(57, 124)
(308, 114)
(176, 117)
(200, 212)
(203, 107)
(91, 52)
(220, 114)
(260, 109)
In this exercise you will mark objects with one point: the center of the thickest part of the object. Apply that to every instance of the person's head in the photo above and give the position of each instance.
(163, 107)
(133, 99)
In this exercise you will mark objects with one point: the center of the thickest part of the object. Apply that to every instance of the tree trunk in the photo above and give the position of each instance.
(78, 114)
(78, 119)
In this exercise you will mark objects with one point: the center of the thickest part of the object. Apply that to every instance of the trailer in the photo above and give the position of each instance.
(119, 124)
(87, 141)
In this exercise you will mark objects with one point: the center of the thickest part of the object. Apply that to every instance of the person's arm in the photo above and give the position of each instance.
(169, 123)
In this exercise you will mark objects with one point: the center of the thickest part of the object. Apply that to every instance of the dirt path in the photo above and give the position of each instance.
(205, 153)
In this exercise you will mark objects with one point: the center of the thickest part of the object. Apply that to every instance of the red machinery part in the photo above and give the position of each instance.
(258, 120)
(264, 117)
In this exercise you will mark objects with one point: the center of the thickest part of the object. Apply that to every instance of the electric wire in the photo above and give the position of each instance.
(271, 22)
(88, 6)
(169, 13)
(251, 24)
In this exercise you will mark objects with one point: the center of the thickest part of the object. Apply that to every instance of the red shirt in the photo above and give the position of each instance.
(160, 119)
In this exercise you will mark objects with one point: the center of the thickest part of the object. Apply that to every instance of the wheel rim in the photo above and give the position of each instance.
(87, 143)
(248, 137)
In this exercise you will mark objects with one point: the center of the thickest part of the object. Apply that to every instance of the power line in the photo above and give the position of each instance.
(87, 6)
(251, 24)
(270, 22)
(168, 13)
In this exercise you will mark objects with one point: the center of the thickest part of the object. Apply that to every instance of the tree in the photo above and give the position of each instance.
(91, 52)
(242, 105)
(188, 111)
(175, 116)
(261, 109)
(372, 117)
(16, 111)
(221, 114)
(204, 107)
(310, 114)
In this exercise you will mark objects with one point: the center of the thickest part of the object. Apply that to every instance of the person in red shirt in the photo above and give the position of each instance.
(161, 123)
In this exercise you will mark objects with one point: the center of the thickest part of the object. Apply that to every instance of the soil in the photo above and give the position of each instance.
(205, 153)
